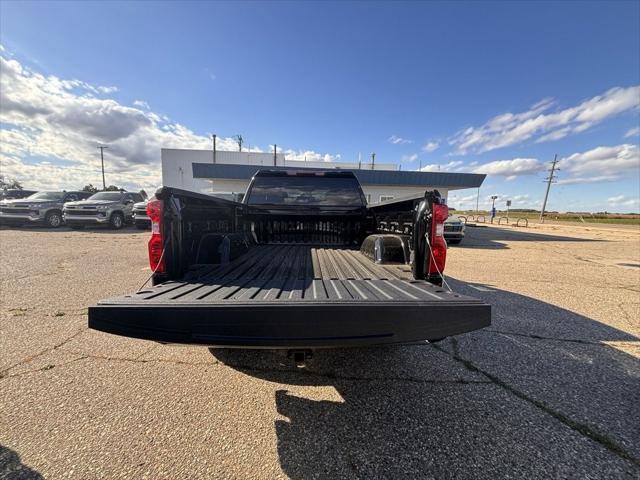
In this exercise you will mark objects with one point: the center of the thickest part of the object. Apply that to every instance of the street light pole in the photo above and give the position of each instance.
(493, 207)
(101, 148)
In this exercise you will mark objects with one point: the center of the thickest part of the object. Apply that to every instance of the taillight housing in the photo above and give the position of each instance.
(438, 244)
(155, 209)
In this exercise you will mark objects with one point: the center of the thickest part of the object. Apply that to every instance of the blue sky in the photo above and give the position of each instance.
(496, 87)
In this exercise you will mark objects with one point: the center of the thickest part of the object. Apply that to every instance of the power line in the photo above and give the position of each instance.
(550, 179)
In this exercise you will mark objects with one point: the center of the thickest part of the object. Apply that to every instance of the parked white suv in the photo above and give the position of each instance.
(42, 208)
(103, 208)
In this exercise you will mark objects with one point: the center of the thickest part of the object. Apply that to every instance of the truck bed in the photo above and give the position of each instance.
(292, 296)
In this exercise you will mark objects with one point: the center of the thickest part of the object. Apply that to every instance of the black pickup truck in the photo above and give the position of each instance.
(301, 263)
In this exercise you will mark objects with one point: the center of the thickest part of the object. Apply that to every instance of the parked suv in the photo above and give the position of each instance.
(103, 208)
(40, 208)
(140, 218)
(453, 230)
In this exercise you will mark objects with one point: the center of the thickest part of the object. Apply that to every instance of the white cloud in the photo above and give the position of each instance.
(396, 140)
(579, 180)
(49, 119)
(633, 132)
(107, 90)
(141, 104)
(604, 163)
(310, 156)
(452, 166)
(512, 128)
(410, 158)
(555, 135)
(600, 164)
(623, 201)
(511, 168)
(430, 146)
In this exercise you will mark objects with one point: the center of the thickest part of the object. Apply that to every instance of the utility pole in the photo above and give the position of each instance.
(373, 160)
(549, 181)
(239, 140)
(275, 150)
(213, 142)
(101, 148)
(359, 160)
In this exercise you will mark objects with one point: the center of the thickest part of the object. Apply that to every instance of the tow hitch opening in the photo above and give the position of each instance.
(300, 357)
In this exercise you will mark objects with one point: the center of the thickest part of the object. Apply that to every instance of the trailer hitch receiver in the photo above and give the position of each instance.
(300, 357)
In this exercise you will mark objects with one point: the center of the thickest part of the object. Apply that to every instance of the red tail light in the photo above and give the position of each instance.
(438, 243)
(156, 242)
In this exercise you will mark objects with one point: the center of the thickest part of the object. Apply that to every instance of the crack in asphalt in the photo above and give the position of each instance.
(578, 427)
(45, 368)
(39, 354)
(84, 356)
(244, 368)
(143, 360)
(335, 376)
(555, 339)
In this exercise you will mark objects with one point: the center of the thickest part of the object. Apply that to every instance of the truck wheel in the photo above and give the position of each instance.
(116, 221)
(53, 219)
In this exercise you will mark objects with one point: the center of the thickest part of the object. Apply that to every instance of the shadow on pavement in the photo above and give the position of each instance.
(535, 395)
(492, 238)
(11, 468)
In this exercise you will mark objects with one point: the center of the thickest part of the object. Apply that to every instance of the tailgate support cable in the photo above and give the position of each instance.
(435, 264)
(164, 247)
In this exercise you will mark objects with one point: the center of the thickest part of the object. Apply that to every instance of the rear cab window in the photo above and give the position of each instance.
(305, 190)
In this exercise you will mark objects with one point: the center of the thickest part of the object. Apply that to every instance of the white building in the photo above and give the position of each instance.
(230, 172)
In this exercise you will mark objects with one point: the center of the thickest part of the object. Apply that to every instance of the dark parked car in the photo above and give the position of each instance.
(302, 263)
(43, 208)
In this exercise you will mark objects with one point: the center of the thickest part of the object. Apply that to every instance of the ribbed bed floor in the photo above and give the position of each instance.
(299, 273)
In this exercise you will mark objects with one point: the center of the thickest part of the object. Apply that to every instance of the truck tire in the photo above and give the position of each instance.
(53, 219)
(116, 221)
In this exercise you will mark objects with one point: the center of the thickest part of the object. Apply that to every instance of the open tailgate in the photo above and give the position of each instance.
(293, 296)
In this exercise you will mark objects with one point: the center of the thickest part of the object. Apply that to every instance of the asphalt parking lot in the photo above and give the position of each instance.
(550, 390)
